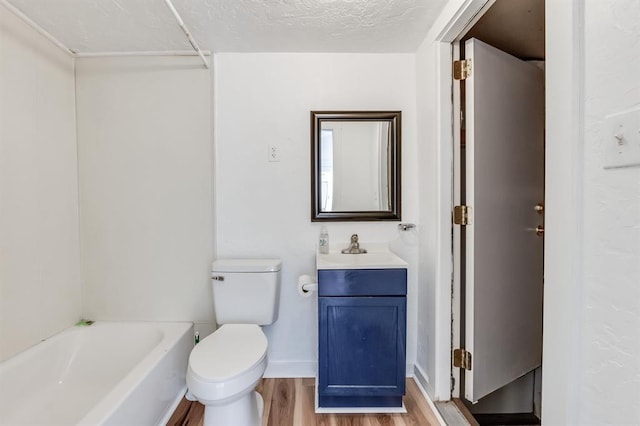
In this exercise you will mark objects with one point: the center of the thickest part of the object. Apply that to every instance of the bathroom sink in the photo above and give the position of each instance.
(371, 260)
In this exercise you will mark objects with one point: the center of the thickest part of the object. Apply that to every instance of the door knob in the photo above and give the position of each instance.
(540, 230)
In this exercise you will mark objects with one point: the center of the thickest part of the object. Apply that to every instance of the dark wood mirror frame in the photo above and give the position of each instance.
(394, 119)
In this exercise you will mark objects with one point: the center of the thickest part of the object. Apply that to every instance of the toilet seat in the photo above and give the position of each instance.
(227, 362)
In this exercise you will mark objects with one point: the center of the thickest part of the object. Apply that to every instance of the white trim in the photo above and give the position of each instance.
(457, 232)
(455, 19)
(564, 69)
(409, 372)
(476, 15)
(11, 8)
(187, 33)
(355, 410)
(421, 376)
(444, 242)
(292, 369)
(426, 396)
(20, 15)
(449, 25)
(141, 53)
(174, 404)
(289, 369)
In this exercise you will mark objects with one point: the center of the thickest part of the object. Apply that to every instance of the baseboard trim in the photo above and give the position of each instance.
(420, 379)
(423, 379)
(291, 369)
(167, 415)
(294, 369)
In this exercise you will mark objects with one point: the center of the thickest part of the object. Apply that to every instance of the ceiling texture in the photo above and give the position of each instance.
(99, 26)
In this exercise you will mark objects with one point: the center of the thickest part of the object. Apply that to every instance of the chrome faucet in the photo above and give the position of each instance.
(354, 247)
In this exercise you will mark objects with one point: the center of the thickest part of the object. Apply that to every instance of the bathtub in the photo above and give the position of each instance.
(109, 373)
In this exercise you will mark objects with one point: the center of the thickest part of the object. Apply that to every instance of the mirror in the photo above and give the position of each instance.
(355, 165)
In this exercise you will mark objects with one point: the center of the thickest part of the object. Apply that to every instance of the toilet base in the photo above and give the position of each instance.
(245, 411)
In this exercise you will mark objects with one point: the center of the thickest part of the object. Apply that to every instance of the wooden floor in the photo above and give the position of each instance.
(290, 402)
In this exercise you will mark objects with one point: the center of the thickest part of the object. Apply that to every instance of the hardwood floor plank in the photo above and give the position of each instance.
(291, 402)
(426, 414)
(198, 413)
(350, 419)
(324, 420)
(282, 404)
(309, 381)
(380, 420)
(180, 414)
(266, 390)
(187, 414)
(297, 403)
(307, 397)
(398, 419)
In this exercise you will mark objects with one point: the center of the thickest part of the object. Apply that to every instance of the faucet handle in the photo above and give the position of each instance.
(354, 247)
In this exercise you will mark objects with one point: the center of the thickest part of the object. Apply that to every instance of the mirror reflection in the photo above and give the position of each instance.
(356, 165)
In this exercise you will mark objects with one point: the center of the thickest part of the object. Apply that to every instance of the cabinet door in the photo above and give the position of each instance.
(362, 346)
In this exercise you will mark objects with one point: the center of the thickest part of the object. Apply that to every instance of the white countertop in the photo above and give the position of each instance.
(376, 258)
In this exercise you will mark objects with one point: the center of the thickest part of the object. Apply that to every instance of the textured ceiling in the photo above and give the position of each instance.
(236, 25)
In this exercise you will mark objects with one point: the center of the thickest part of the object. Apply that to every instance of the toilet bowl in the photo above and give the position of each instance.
(224, 368)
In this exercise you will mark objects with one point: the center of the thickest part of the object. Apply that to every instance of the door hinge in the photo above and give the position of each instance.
(462, 359)
(462, 215)
(461, 69)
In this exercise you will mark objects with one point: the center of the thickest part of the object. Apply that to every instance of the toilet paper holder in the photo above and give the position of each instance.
(307, 285)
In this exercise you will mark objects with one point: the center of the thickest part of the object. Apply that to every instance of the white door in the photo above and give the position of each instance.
(504, 183)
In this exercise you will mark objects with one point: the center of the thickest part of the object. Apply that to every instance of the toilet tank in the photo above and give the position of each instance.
(246, 291)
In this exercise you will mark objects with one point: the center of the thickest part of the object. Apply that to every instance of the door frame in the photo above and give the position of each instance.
(564, 76)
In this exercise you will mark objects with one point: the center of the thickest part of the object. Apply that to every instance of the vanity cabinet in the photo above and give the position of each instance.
(362, 337)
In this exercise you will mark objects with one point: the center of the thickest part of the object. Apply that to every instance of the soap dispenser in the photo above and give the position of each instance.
(323, 241)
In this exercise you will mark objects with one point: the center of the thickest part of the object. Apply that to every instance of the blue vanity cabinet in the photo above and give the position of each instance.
(362, 337)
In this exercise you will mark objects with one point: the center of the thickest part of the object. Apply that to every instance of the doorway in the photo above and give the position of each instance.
(506, 386)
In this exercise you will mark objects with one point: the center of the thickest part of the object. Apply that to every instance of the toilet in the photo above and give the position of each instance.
(226, 366)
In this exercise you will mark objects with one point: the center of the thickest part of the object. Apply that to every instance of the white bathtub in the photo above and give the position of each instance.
(109, 373)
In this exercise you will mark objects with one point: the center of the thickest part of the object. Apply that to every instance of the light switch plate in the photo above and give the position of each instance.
(622, 140)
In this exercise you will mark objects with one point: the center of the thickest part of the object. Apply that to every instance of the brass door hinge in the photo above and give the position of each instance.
(462, 215)
(462, 359)
(461, 69)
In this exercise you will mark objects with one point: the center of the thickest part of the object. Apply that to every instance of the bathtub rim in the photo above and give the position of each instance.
(116, 396)
(173, 334)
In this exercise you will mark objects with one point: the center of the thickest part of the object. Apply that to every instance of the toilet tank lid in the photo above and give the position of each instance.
(246, 265)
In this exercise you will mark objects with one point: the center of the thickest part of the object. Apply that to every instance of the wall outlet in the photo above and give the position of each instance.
(273, 153)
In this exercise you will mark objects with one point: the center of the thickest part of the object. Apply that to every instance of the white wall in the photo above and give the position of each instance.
(39, 253)
(264, 208)
(609, 381)
(146, 216)
(591, 365)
